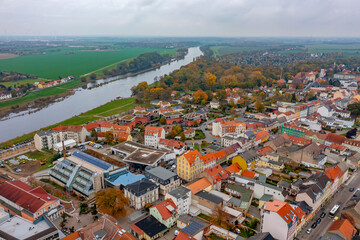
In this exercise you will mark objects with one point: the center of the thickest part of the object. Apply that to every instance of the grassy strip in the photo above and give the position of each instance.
(23, 81)
(108, 109)
(42, 93)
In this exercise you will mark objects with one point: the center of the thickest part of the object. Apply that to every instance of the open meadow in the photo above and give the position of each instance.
(66, 61)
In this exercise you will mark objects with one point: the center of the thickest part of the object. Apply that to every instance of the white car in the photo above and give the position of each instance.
(308, 231)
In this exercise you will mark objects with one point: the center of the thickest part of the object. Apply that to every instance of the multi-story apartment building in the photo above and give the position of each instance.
(153, 135)
(223, 127)
(190, 165)
(293, 130)
(46, 139)
(141, 192)
(286, 217)
(181, 196)
(166, 179)
(78, 133)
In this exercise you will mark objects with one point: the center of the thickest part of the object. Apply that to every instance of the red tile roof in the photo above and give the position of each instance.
(338, 147)
(166, 208)
(248, 174)
(217, 173)
(344, 227)
(71, 128)
(151, 131)
(221, 154)
(299, 140)
(199, 185)
(171, 143)
(333, 173)
(91, 126)
(262, 135)
(209, 158)
(191, 156)
(26, 196)
(264, 150)
(332, 137)
(233, 168)
(285, 211)
(184, 236)
(254, 126)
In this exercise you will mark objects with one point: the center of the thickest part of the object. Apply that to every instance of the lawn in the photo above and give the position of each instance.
(346, 49)
(199, 134)
(21, 82)
(71, 61)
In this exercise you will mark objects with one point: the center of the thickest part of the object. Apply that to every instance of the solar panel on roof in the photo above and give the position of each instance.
(92, 160)
(192, 228)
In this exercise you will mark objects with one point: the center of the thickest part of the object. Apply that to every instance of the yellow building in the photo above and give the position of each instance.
(270, 164)
(190, 165)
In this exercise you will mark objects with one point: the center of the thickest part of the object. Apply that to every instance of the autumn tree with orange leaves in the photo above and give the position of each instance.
(112, 201)
(200, 96)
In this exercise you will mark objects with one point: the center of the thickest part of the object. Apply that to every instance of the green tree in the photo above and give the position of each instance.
(162, 121)
(13, 93)
(259, 106)
(354, 108)
(83, 79)
(182, 137)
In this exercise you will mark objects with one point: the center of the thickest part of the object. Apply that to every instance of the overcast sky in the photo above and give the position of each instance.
(223, 18)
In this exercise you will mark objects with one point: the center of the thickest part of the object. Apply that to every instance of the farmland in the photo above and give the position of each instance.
(224, 50)
(67, 61)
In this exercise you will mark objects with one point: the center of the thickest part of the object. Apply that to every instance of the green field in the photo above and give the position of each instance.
(21, 82)
(65, 61)
(346, 49)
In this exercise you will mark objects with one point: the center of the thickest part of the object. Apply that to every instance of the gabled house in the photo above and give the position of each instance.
(190, 165)
(165, 212)
(215, 176)
(153, 135)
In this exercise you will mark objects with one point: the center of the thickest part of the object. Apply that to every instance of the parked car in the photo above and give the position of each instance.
(351, 189)
(323, 214)
(17, 169)
(308, 231)
(314, 225)
(318, 220)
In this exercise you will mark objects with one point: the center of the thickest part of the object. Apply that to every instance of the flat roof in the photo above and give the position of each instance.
(161, 173)
(89, 162)
(21, 228)
(124, 178)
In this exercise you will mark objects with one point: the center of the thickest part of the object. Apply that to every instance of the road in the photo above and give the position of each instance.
(342, 196)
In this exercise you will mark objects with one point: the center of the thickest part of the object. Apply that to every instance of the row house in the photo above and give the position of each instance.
(153, 135)
(215, 176)
(167, 180)
(336, 175)
(352, 144)
(315, 191)
(78, 133)
(223, 127)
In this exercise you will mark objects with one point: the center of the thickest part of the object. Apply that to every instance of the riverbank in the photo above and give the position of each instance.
(108, 109)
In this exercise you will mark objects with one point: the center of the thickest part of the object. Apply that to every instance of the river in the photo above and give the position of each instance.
(85, 99)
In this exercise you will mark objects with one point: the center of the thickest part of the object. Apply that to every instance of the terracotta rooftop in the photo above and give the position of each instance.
(344, 227)
(166, 208)
(199, 185)
(191, 156)
(151, 131)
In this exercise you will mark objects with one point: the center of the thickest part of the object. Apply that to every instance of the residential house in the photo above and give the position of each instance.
(176, 146)
(351, 212)
(284, 215)
(128, 120)
(172, 117)
(167, 180)
(153, 135)
(104, 228)
(189, 133)
(29, 202)
(200, 185)
(335, 174)
(214, 104)
(141, 192)
(223, 127)
(343, 228)
(181, 196)
(315, 191)
(190, 165)
(165, 212)
(215, 176)
(243, 197)
(148, 228)
(192, 119)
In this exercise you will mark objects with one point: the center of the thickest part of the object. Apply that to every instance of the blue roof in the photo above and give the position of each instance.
(124, 178)
(92, 160)
(192, 228)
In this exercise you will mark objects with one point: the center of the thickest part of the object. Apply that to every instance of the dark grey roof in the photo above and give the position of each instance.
(284, 183)
(44, 133)
(210, 197)
(262, 236)
(151, 226)
(141, 187)
(192, 228)
(303, 206)
(250, 134)
(249, 156)
(180, 192)
(161, 173)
